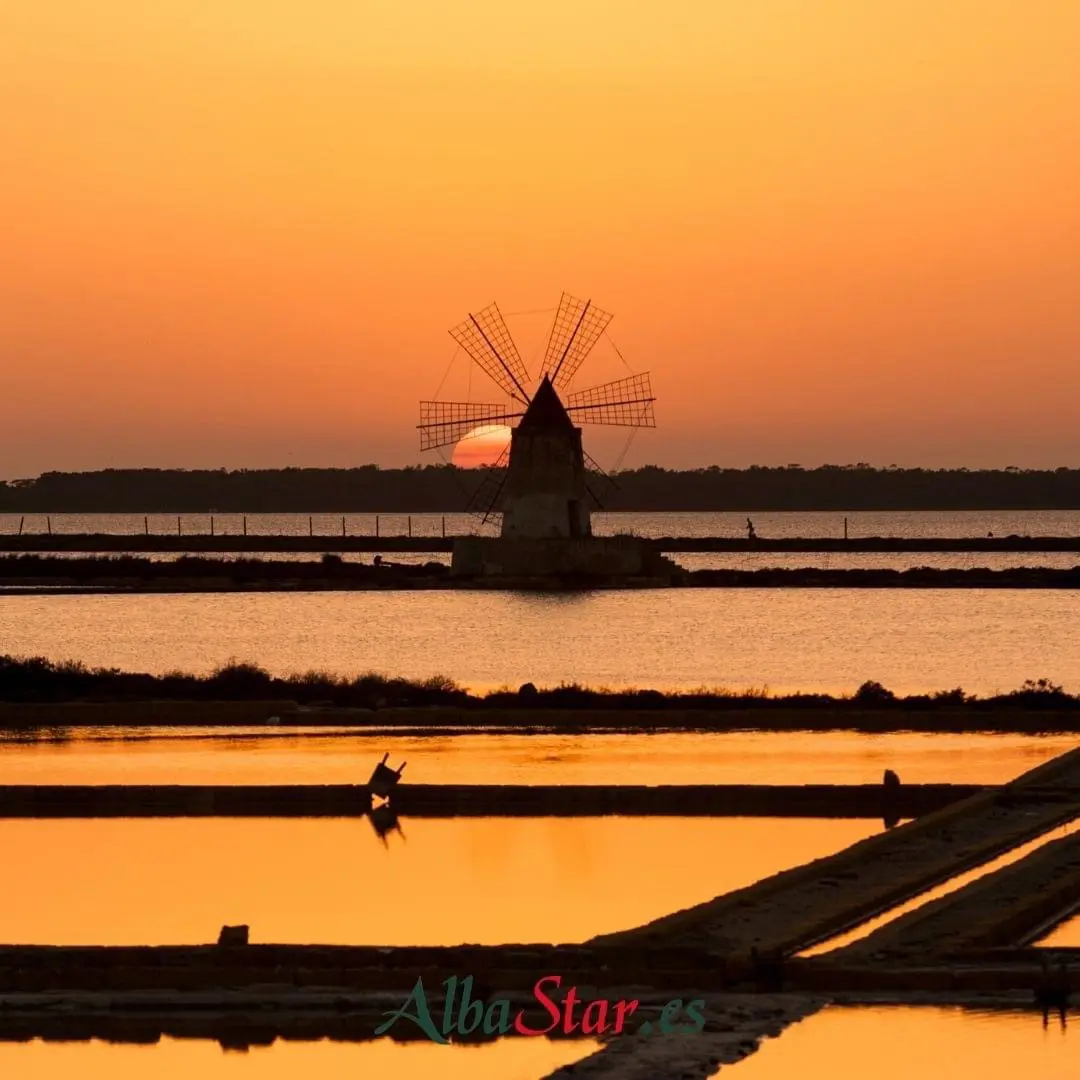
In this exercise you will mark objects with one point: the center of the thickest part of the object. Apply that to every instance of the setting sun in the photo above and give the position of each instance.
(482, 446)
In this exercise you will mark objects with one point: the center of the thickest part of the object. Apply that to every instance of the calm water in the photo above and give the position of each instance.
(173, 1059)
(485, 880)
(905, 1043)
(821, 639)
(1067, 933)
(837, 1043)
(333, 756)
(726, 523)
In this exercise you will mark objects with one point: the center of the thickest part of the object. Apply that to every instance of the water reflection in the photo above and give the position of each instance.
(384, 821)
(482, 880)
(898, 1043)
(334, 756)
(790, 639)
(1066, 933)
(172, 1059)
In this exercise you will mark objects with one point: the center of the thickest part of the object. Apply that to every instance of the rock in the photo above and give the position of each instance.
(231, 936)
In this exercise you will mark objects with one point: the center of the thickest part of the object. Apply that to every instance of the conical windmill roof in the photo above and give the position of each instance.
(546, 411)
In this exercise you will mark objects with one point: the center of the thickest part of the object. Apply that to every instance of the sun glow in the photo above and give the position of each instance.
(481, 446)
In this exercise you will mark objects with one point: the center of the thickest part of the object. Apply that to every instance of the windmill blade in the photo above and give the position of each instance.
(486, 339)
(446, 422)
(485, 500)
(575, 331)
(623, 403)
(601, 484)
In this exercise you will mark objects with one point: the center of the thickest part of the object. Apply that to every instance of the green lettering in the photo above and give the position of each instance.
(421, 1017)
(501, 1009)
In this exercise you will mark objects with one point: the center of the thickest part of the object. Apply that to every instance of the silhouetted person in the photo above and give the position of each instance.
(750, 533)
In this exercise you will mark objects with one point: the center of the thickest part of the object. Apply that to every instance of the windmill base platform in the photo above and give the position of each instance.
(613, 559)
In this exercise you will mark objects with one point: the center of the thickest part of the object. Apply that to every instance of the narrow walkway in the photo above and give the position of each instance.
(998, 910)
(798, 907)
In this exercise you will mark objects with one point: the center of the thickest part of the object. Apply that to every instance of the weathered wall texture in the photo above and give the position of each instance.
(545, 485)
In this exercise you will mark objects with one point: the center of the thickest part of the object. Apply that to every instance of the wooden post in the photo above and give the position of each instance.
(48, 525)
(342, 524)
(410, 525)
(179, 530)
(444, 526)
(245, 524)
(146, 525)
(376, 524)
(845, 528)
(310, 527)
(211, 524)
(21, 520)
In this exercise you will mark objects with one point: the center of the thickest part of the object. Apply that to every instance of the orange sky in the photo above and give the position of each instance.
(235, 232)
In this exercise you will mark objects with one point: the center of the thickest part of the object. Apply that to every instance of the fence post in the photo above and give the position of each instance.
(845, 528)
(342, 524)
(376, 525)
(21, 520)
(310, 527)
(410, 525)
(48, 525)
(179, 530)
(146, 525)
(444, 526)
(245, 524)
(211, 524)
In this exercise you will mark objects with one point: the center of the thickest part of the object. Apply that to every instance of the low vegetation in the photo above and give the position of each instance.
(36, 679)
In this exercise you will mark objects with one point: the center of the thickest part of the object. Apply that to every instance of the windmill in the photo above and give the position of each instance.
(541, 481)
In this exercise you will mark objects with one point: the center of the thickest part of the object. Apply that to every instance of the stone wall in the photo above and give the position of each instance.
(601, 556)
(545, 485)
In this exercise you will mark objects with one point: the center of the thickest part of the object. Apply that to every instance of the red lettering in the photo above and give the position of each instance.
(550, 1008)
(623, 1010)
(594, 1019)
(569, 1023)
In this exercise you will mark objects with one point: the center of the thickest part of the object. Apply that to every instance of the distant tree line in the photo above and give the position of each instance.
(446, 489)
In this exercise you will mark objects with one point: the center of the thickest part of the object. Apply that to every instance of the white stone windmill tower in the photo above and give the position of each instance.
(542, 480)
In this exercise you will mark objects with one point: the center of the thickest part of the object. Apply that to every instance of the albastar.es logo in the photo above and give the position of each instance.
(567, 1013)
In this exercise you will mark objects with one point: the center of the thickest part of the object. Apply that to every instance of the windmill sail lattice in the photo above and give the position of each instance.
(622, 403)
(443, 423)
(486, 339)
(576, 329)
(486, 500)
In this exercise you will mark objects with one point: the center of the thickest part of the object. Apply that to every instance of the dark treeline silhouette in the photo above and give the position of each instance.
(36, 679)
(445, 489)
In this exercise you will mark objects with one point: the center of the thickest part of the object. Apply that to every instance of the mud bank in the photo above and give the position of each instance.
(1003, 908)
(52, 575)
(797, 908)
(56, 720)
(492, 800)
